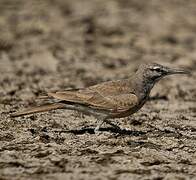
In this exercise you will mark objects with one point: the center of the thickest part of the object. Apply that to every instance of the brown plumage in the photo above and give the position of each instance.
(112, 99)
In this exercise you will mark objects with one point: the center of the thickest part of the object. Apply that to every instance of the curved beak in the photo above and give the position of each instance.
(177, 71)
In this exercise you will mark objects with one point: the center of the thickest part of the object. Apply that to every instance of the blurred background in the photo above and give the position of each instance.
(60, 43)
(48, 45)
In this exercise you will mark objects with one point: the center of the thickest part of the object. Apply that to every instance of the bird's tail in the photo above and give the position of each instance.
(38, 109)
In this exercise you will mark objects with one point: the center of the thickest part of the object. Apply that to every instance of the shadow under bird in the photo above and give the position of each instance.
(111, 99)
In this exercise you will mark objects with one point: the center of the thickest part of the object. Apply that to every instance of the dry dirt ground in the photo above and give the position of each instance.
(60, 44)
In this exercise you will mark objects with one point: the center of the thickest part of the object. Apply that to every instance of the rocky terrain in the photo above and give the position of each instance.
(48, 45)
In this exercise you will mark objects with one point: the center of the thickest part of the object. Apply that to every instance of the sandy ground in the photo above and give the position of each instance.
(60, 44)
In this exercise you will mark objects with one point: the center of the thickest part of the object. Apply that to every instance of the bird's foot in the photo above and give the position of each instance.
(97, 129)
(113, 125)
(100, 123)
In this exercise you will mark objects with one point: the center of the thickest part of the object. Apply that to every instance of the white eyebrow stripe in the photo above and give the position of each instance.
(156, 67)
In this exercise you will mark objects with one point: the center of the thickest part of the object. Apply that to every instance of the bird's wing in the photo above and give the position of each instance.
(124, 102)
(96, 100)
(111, 88)
(86, 97)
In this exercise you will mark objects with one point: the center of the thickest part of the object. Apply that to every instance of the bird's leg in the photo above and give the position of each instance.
(102, 120)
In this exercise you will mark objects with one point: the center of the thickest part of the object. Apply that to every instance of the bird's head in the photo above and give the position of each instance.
(152, 72)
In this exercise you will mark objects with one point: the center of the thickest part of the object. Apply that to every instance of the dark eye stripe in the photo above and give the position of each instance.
(158, 70)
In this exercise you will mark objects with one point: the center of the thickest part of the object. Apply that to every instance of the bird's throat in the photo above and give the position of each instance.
(142, 87)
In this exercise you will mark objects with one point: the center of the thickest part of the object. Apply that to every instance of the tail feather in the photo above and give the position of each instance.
(38, 109)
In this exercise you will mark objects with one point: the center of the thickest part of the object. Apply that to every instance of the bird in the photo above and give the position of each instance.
(108, 100)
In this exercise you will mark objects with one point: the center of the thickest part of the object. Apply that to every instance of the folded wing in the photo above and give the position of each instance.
(94, 99)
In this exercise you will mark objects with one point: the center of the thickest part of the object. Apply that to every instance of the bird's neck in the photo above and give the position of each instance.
(141, 86)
